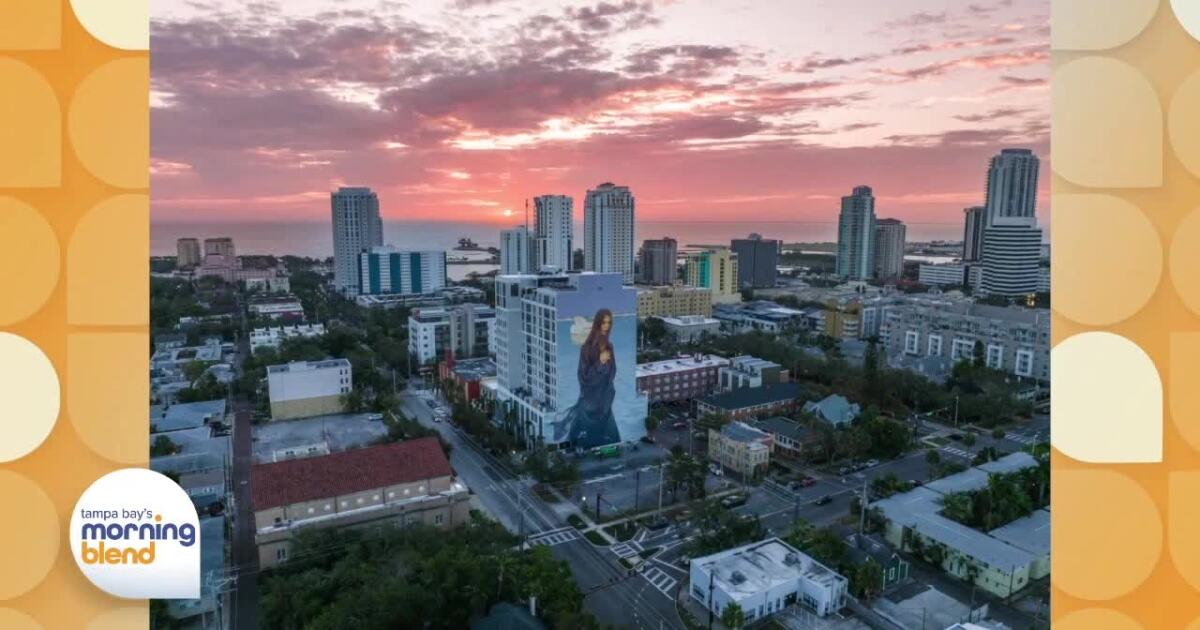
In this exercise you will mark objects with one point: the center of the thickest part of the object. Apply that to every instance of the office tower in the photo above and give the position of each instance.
(1011, 260)
(387, 270)
(856, 235)
(554, 231)
(889, 248)
(757, 259)
(1012, 185)
(516, 251)
(541, 323)
(658, 261)
(974, 219)
(187, 253)
(715, 269)
(356, 228)
(222, 246)
(608, 216)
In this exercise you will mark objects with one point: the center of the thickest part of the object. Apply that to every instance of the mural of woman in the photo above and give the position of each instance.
(590, 422)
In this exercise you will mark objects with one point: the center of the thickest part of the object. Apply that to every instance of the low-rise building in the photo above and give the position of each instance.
(281, 307)
(752, 402)
(407, 482)
(1002, 562)
(714, 268)
(308, 388)
(834, 409)
(790, 439)
(674, 301)
(760, 315)
(682, 378)
(274, 336)
(747, 371)
(764, 578)
(689, 328)
(468, 375)
(443, 297)
(464, 330)
(740, 448)
(269, 284)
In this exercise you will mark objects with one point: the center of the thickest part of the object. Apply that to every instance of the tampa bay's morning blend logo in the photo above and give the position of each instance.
(135, 534)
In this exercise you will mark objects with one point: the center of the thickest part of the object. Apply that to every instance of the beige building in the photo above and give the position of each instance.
(740, 448)
(715, 269)
(308, 388)
(405, 483)
(674, 301)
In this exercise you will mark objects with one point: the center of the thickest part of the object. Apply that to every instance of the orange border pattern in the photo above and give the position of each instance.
(74, 305)
(1126, 272)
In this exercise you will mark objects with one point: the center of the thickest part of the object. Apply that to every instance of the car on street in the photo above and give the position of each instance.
(715, 469)
(825, 500)
(647, 439)
(844, 470)
(733, 500)
(679, 425)
(872, 463)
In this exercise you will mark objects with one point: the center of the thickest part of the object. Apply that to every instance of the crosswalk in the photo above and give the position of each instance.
(556, 537)
(660, 580)
(958, 452)
(626, 550)
(1027, 440)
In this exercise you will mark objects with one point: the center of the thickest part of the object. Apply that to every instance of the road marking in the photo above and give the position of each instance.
(603, 478)
(626, 550)
(660, 580)
(958, 452)
(555, 537)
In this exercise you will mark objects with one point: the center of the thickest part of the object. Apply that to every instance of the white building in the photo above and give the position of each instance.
(465, 329)
(1011, 256)
(747, 371)
(220, 246)
(356, 228)
(691, 327)
(277, 307)
(387, 270)
(539, 318)
(765, 577)
(516, 251)
(889, 248)
(308, 388)
(856, 235)
(269, 284)
(554, 232)
(608, 230)
(274, 336)
(943, 275)
(1012, 183)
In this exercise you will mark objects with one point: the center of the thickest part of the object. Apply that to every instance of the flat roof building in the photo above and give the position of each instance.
(752, 402)
(681, 378)
(308, 388)
(765, 577)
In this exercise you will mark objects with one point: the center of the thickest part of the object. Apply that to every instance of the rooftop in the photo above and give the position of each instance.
(185, 415)
(304, 366)
(756, 567)
(1031, 533)
(680, 363)
(311, 478)
(690, 320)
(474, 369)
(743, 397)
(329, 433)
(742, 432)
(786, 427)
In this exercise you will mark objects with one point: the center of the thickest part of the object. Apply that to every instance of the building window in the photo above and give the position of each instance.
(437, 519)
(1024, 363)
(934, 346)
(281, 553)
(911, 339)
(995, 356)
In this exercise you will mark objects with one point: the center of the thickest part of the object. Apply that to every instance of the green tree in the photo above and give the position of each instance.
(712, 420)
(732, 616)
(163, 446)
(654, 331)
(969, 440)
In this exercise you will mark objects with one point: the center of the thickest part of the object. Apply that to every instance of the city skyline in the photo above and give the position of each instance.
(461, 112)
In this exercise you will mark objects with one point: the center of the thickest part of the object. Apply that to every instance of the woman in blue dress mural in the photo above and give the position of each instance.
(590, 422)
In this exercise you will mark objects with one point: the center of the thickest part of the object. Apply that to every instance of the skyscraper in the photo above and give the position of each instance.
(356, 228)
(856, 235)
(608, 230)
(516, 251)
(1011, 257)
(889, 248)
(973, 219)
(554, 231)
(757, 259)
(222, 246)
(715, 269)
(187, 253)
(658, 261)
(1012, 184)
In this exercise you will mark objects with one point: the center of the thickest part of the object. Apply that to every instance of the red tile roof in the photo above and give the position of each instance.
(310, 478)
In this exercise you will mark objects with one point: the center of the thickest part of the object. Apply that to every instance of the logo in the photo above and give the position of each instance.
(135, 534)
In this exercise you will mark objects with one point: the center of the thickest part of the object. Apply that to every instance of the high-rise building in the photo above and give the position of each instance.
(222, 246)
(554, 231)
(187, 253)
(658, 261)
(356, 229)
(889, 248)
(856, 235)
(608, 230)
(387, 270)
(462, 330)
(1011, 260)
(542, 322)
(516, 251)
(1012, 185)
(973, 222)
(715, 269)
(757, 259)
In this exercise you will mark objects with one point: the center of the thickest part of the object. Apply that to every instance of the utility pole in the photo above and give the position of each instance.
(662, 467)
(712, 574)
(956, 411)
(637, 488)
(599, 493)
(862, 518)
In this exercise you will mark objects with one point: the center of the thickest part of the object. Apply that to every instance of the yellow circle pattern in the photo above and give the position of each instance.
(28, 542)
(29, 260)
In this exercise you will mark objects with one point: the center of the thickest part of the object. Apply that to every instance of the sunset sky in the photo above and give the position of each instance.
(730, 110)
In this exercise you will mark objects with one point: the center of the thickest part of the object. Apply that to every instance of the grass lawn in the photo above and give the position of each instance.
(576, 522)
(595, 538)
(624, 531)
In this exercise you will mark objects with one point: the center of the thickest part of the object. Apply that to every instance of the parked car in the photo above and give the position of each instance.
(679, 425)
(844, 470)
(733, 500)
(647, 439)
(872, 462)
(715, 469)
(825, 500)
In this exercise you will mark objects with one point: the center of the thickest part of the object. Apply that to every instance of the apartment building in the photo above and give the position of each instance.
(740, 448)
(674, 301)
(464, 330)
(682, 378)
(746, 371)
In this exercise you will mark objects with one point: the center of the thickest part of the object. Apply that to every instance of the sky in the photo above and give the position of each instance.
(710, 110)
